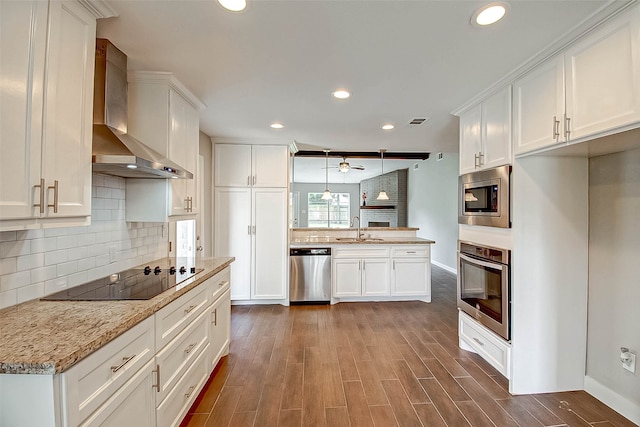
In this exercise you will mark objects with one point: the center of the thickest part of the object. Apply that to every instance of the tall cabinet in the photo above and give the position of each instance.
(251, 218)
(46, 112)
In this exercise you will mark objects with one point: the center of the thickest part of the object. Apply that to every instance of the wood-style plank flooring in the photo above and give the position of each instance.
(371, 364)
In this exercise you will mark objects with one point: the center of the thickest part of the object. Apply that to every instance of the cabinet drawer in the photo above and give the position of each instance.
(421, 251)
(94, 379)
(361, 252)
(219, 283)
(179, 400)
(172, 319)
(493, 349)
(178, 355)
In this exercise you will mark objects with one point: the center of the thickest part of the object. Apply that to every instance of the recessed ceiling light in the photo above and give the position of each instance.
(341, 94)
(233, 5)
(276, 125)
(489, 14)
(388, 126)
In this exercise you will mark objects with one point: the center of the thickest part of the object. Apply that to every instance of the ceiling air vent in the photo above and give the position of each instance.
(417, 121)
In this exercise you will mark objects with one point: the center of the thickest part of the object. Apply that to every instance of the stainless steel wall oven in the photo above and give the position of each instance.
(484, 285)
(484, 198)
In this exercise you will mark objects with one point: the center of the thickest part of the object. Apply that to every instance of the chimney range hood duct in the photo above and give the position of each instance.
(114, 151)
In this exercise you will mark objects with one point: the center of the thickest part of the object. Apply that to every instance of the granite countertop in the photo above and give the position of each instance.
(304, 241)
(48, 337)
(354, 229)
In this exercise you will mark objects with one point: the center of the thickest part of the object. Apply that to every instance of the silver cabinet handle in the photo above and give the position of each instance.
(125, 360)
(478, 341)
(190, 392)
(55, 196)
(249, 229)
(157, 384)
(255, 179)
(556, 128)
(394, 264)
(186, 204)
(476, 157)
(567, 127)
(253, 229)
(189, 309)
(480, 159)
(248, 181)
(411, 252)
(215, 317)
(190, 348)
(224, 282)
(41, 204)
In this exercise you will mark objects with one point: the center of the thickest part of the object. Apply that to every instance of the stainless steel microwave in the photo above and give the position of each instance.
(484, 198)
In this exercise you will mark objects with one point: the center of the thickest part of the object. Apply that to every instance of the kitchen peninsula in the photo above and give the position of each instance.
(373, 263)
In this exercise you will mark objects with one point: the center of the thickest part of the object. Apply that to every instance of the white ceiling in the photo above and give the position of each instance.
(280, 61)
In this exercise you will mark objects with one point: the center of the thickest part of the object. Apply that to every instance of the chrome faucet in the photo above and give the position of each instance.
(354, 220)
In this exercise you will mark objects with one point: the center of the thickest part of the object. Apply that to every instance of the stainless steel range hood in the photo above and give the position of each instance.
(114, 151)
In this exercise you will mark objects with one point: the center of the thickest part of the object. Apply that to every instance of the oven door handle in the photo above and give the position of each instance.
(494, 265)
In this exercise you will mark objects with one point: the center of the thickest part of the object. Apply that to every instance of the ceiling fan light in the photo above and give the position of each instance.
(326, 195)
(382, 195)
(233, 5)
(344, 167)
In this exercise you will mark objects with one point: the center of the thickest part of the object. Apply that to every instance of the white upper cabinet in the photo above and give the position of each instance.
(538, 107)
(485, 133)
(46, 113)
(589, 90)
(163, 114)
(251, 165)
(603, 78)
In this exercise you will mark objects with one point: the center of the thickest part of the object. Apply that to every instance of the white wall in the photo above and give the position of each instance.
(35, 263)
(304, 189)
(432, 200)
(614, 278)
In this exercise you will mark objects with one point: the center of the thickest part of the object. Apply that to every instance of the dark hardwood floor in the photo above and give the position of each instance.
(371, 364)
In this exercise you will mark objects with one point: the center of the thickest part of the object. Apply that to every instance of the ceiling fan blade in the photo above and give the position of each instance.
(360, 168)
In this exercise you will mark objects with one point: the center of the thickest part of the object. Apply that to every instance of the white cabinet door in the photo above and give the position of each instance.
(132, 405)
(232, 165)
(232, 225)
(603, 78)
(270, 245)
(470, 139)
(220, 327)
(270, 165)
(375, 277)
(538, 107)
(347, 276)
(410, 276)
(23, 26)
(496, 130)
(68, 111)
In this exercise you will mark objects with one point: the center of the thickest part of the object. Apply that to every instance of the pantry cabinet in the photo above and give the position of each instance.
(485, 133)
(238, 165)
(590, 89)
(251, 225)
(46, 112)
(164, 114)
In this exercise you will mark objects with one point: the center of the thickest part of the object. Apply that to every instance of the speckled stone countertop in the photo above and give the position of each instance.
(48, 337)
(306, 241)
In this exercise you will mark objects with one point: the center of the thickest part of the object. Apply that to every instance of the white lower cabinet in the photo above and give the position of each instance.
(475, 337)
(381, 271)
(151, 374)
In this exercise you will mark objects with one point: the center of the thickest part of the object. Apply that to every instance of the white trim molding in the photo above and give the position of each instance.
(446, 267)
(99, 8)
(617, 402)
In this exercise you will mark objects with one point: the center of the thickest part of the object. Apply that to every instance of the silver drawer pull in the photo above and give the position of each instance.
(215, 317)
(190, 392)
(411, 252)
(190, 348)
(223, 283)
(157, 384)
(478, 341)
(125, 360)
(189, 309)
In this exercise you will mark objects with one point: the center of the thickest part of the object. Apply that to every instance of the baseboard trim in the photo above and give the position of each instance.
(446, 267)
(617, 402)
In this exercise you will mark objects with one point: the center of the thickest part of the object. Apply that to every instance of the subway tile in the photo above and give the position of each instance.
(7, 236)
(15, 248)
(45, 244)
(102, 260)
(111, 204)
(86, 264)
(14, 280)
(101, 214)
(56, 257)
(55, 285)
(98, 180)
(77, 278)
(8, 298)
(29, 262)
(66, 242)
(67, 268)
(30, 292)
(8, 265)
(103, 193)
(44, 273)
(86, 239)
(117, 194)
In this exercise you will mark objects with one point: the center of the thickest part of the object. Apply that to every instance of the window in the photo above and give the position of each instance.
(334, 213)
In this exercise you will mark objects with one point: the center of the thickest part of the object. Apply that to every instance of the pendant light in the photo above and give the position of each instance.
(327, 194)
(383, 194)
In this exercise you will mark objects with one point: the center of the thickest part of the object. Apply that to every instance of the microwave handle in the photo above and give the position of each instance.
(476, 261)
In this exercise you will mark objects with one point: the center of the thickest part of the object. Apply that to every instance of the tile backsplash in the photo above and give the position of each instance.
(34, 263)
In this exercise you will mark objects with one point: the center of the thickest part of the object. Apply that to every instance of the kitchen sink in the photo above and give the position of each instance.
(356, 239)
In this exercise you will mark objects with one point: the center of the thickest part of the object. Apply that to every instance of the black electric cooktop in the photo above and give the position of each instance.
(135, 284)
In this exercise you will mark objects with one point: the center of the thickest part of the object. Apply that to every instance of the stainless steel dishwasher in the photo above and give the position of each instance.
(310, 275)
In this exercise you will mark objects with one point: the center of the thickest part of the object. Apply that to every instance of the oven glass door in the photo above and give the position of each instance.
(482, 286)
(482, 198)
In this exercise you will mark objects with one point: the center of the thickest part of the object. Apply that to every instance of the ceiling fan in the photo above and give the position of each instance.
(345, 167)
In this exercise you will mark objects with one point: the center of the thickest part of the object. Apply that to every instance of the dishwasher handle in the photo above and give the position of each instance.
(309, 251)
